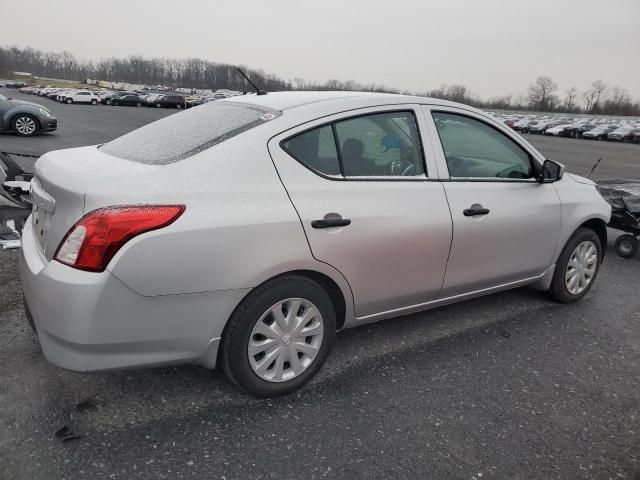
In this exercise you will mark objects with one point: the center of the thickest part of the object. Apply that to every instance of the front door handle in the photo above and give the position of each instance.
(331, 222)
(475, 209)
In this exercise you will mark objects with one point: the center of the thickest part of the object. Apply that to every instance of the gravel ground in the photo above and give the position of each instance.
(510, 386)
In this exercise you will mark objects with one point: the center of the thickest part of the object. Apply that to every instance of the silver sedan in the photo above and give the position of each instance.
(246, 232)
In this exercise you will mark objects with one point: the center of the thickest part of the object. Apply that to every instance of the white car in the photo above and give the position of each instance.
(81, 96)
(246, 232)
(558, 129)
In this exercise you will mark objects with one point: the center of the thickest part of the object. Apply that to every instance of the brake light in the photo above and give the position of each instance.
(94, 240)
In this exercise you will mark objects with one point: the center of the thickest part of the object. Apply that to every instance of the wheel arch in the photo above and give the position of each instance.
(325, 281)
(600, 228)
(12, 117)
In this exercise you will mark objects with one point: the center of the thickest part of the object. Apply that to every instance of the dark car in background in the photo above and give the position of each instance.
(108, 98)
(600, 132)
(170, 101)
(621, 134)
(128, 99)
(25, 118)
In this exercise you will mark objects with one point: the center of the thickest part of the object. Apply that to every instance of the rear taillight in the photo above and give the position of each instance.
(94, 240)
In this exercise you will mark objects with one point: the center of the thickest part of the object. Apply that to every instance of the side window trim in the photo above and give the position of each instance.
(336, 144)
(412, 109)
(429, 110)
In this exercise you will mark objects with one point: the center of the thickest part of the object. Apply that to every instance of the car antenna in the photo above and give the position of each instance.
(593, 169)
(258, 91)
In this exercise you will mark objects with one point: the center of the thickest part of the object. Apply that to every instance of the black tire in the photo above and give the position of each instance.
(558, 290)
(69, 101)
(158, 105)
(94, 102)
(27, 314)
(627, 246)
(17, 131)
(178, 106)
(234, 358)
(138, 104)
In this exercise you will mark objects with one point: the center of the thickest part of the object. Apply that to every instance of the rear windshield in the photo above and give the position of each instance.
(181, 135)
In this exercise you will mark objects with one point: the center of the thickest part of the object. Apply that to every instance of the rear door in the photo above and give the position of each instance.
(364, 186)
(505, 224)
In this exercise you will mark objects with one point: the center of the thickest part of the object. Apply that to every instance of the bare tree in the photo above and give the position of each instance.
(540, 93)
(593, 95)
(570, 99)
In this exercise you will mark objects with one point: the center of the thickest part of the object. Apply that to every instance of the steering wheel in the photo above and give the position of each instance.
(401, 168)
(510, 172)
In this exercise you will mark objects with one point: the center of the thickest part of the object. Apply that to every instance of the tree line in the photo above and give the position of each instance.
(542, 95)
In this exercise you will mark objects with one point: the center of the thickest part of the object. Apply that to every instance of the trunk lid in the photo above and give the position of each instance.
(60, 185)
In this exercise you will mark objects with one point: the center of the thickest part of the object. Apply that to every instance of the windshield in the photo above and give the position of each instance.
(179, 136)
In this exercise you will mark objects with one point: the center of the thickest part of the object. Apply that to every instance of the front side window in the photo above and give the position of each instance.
(378, 145)
(473, 149)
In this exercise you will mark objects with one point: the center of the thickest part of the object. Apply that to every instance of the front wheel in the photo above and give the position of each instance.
(279, 336)
(25, 125)
(627, 245)
(577, 267)
(69, 101)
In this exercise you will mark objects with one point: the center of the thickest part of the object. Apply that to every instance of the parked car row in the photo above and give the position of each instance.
(625, 130)
(137, 98)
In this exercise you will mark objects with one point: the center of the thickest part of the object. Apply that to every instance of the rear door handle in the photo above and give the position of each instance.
(475, 209)
(331, 222)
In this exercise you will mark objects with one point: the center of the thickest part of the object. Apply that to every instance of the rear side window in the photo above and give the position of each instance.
(317, 149)
(182, 135)
(377, 145)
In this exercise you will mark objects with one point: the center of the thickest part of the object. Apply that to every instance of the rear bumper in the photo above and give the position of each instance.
(93, 321)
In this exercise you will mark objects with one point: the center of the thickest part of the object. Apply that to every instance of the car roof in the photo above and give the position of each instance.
(283, 101)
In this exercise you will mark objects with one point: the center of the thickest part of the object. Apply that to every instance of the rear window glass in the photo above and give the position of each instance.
(184, 134)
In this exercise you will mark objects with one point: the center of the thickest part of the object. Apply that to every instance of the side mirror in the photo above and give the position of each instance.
(551, 172)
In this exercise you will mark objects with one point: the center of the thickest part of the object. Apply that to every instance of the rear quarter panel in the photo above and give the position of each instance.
(239, 228)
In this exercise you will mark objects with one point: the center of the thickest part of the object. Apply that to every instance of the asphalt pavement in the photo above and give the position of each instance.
(509, 386)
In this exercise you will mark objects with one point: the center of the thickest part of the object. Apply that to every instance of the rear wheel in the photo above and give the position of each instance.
(158, 105)
(279, 336)
(577, 267)
(69, 100)
(178, 106)
(138, 104)
(627, 245)
(25, 125)
(94, 102)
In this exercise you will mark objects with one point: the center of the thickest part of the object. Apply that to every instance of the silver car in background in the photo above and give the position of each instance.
(247, 231)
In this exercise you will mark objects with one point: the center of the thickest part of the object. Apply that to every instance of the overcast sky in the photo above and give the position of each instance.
(493, 47)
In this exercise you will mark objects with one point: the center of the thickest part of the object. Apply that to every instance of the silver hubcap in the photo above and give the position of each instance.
(581, 268)
(26, 125)
(285, 340)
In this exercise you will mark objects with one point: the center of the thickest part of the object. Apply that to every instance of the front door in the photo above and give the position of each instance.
(361, 186)
(505, 224)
